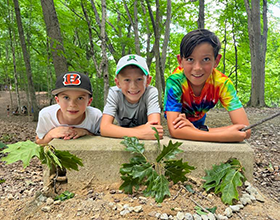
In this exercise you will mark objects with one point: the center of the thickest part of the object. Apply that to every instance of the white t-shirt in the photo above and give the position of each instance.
(48, 120)
(131, 115)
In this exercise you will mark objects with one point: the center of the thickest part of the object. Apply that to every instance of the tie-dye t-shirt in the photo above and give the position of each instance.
(179, 96)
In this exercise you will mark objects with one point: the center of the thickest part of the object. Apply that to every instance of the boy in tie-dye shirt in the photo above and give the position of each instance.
(196, 86)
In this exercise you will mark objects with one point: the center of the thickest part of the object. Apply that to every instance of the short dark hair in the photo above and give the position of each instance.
(196, 37)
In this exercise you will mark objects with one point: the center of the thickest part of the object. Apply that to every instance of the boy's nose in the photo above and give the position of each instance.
(197, 66)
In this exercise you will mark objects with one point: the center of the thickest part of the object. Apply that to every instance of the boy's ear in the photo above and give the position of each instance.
(149, 79)
(56, 99)
(217, 61)
(117, 82)
(89, 101)
(179, 59)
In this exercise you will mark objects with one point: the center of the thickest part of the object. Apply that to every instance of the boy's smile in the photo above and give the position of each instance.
(132, 81)
(72, 106)
(199, 65)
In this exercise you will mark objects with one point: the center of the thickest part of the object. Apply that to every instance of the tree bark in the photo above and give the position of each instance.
(258, 51)
(27, 62)
(200, 21)
(54, 33)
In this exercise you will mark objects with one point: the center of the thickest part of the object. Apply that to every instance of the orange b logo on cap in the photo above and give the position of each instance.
(72, 79)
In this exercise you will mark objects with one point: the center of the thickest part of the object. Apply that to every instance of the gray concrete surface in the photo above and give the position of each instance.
(102, 157)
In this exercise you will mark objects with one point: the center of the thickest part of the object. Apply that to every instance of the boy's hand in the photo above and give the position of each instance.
(181, 122)
(62, 132)
(149, 133)
(233, 133)
(80, 132)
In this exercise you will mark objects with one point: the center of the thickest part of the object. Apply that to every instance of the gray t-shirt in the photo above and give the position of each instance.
(131, 115)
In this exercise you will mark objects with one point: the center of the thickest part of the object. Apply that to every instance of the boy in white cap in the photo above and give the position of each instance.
(132, 102)
(72, 116)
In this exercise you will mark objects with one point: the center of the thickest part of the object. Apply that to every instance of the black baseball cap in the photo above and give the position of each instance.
(72, 81)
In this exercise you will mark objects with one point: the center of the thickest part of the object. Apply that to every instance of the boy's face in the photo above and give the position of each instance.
(133, 82)
(72, 106)
(199, 65)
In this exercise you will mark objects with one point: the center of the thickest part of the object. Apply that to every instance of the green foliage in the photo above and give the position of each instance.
(2, 181)
(201, 212)
(2, 146)
(25, 151)
(224, 179)
(154, 175)
(65, 195)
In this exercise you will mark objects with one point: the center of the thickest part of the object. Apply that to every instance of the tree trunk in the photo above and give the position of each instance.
(53, 32)
(134, 25)
(200, 21)
(258, 51)
(12, 39)
(26, 62)
(104, 62)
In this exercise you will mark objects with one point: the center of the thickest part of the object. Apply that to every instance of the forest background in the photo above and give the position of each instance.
(40, 40)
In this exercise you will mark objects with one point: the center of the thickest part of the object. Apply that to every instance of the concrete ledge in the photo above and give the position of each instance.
(102, 157)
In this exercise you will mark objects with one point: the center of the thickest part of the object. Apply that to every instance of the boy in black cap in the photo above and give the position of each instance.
(72, 116)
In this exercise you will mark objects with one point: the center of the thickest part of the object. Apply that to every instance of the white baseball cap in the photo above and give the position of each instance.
(132, 59)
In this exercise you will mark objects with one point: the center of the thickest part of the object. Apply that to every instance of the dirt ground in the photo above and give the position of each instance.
(21, 198)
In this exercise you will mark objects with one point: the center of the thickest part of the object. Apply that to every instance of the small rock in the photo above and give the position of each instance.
(180, 216)
(49, 201)
(57, 202)
(157, 215)
(46, 208)
(59, 216)
(196, 217)
(10, 196)
(211, 216)
(152, 213)
(124, 212)
(245, 201)
(113, 192)
(138, 209)
(188, 216)
(204, 217)
(164, 216)
(235, 208)
(221, 217)
(228, 212)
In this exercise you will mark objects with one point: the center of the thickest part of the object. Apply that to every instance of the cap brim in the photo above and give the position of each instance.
(129, 64)
(56, 91)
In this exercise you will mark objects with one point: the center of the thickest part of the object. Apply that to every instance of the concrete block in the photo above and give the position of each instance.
(102, 157)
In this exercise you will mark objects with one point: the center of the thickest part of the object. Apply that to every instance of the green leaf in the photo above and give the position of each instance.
(225, 178)
(132, 144)
(65, 195)
(199, 211)
(68, 160)
(176, 170)
(141, 171)
(23, 151)
(170, 151)
(2, 181)
(127, 168)
(161, 188)
(214, 177)
(128, 183)
(228, 188)
(2, 145)
(54, 158)
(150, 183)
(189, 188)
(157, 136)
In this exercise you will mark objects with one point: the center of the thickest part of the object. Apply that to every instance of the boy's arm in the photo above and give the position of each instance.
(189, 132)
(108, 129)
(57, 132)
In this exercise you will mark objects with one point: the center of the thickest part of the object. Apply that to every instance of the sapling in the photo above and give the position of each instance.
(154, 175)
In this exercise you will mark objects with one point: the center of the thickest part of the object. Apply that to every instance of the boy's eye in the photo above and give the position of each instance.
(126, 80)
(189, 59)
(66, 97)
(140, 79)
(81, 98)
(206, 59)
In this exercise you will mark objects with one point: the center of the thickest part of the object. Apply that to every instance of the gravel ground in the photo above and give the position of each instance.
(21, 197)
